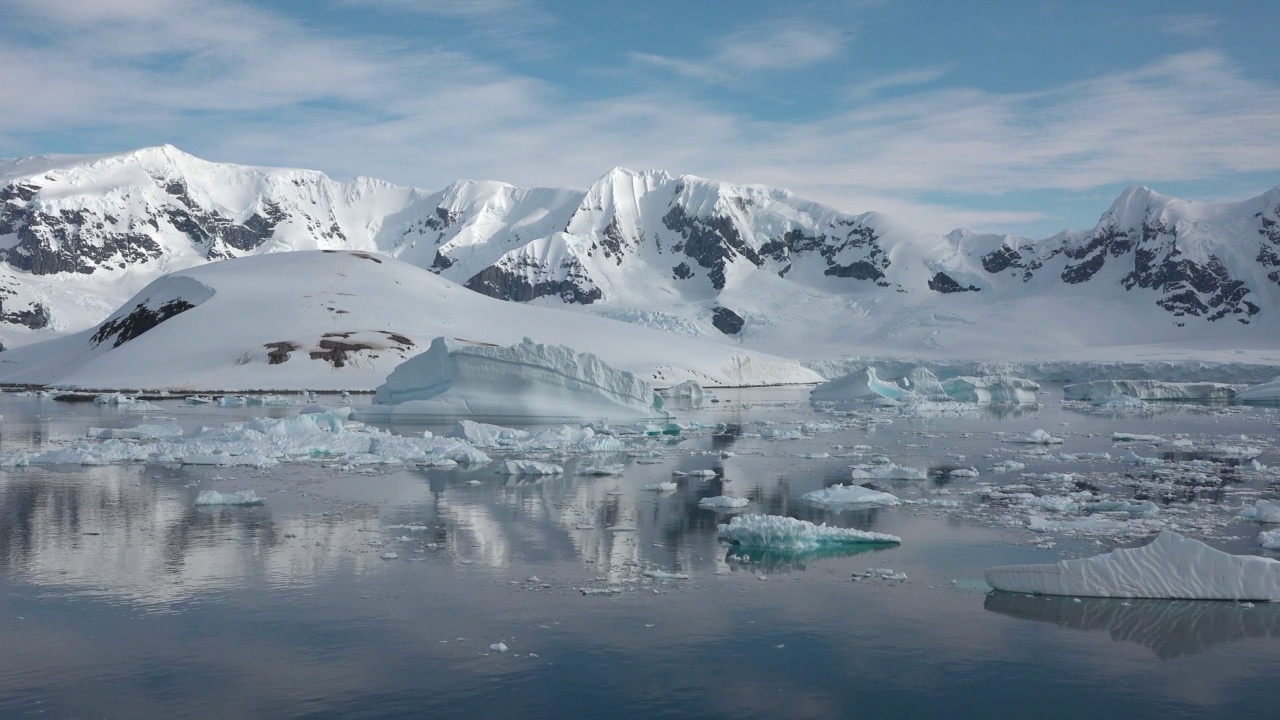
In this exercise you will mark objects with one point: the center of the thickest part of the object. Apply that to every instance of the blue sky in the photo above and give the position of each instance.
(1024, 117)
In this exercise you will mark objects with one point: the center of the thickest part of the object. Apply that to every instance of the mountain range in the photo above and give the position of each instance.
(749, 265)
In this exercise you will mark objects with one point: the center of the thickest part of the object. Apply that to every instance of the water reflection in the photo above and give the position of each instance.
(1169, 628)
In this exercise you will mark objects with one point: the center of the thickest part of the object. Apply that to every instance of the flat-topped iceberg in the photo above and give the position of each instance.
(777, 532)
(888, 472)
(991, 388)
(723, 502)
(1148, 390)
(1171, 566)
(850, 495)
(529, 381)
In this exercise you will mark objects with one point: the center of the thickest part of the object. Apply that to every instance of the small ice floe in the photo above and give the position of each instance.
(723, 502)
(600, 591)
(1135, 437)
(500, 647)
(881, 573)
(1171, 566)
(660, 487)
(239, 497)
(664, 575)
(1224, 453)
(704, 473)
(888, 472)
(612, 469)
(528, 467)
(969, 472)
(1267, 511)
(199, 400)
(1134, 458)
(167, 431)
(1036, 523)
(784, 533)
(1008, 466)
(389, 555)
(1269, 539)
(1145, 507)
(850, 495)
(1039, 437)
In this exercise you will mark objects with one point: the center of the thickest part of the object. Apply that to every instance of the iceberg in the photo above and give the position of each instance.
(723, 502)
(1171, 566)
(858, 385)
(889, 472)
(991, 388)
(850, 495)
(1261, 393)
(1148, 390)
(527, 381)
(1269, 539)
(777, 532)
(1267, 511)
(1039, 437)
(239, 497)
(528, 467)
(687, 390)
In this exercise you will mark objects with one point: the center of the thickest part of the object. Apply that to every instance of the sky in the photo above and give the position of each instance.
(1003, 116)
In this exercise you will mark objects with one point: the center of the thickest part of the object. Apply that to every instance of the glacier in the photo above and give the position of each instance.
(527, 381)
(1171, 566)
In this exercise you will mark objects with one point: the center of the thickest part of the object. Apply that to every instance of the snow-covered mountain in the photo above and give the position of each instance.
(749, 265)
(337, 320)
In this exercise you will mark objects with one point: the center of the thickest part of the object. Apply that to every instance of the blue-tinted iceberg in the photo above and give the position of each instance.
(1171, 566)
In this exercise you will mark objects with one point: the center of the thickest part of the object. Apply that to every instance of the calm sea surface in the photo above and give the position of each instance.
(119, 598)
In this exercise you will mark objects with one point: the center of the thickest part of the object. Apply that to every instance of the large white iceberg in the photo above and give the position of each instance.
(850, 495)
(991, 388)
(529, 381)
(1148, 390)
(1171, 566)
(777, 532)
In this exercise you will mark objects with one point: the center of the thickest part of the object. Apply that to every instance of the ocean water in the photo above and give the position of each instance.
(120, 598)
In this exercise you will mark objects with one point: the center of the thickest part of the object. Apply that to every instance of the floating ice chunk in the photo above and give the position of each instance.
(1171, 566)
(240, 497)
(1146, 507)
(498, 647)
(970, 472)
(777, 532)
(703, 473)
(1053, 503)
(250, 459)
(1267, 511)
(660, 487)
(1264, 392)
(1148, 390)
(199, 400)
(1134, 458)
(859, 385)
(118, 399)
(850, 495)
(528, 467)
(723, 502)
(991, 388)
(664, 575)
(1232, 452)
(1036, 523)
(1008, 466)
(688, 390)
(1039, 437)
(1119, 402)
(612, 469)
(527, 380)
(389, 555)
(167, 431)
(1135, 437)
(1269, 539)
(889, 472)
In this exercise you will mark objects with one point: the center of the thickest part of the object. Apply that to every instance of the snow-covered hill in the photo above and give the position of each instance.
(337, 320)
(750, 265)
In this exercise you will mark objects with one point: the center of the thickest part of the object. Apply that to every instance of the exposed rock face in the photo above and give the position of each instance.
(944, 283)
(141, 319)
(726, 321)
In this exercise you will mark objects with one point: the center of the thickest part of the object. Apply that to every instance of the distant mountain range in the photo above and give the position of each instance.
(747, 264)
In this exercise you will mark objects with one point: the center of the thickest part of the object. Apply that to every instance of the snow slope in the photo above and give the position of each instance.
(331, 320)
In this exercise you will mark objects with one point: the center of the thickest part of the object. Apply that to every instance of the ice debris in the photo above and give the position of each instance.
(850, 495)
(1171, 566)
(167, 431)
(1267, 511)
(564, 438)
(660, 487)
(777, 532)
(723, 502)
(239, 497)
(889, 471)
(1039, 437)
(528, 467)
(455, 378)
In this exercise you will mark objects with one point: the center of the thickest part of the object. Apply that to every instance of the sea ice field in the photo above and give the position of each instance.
(758, 555)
